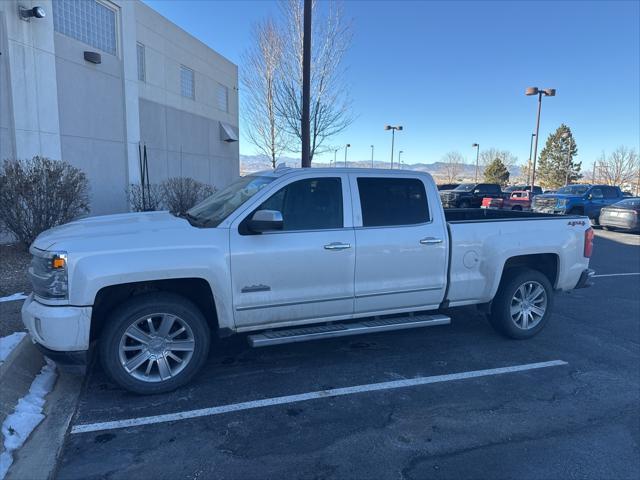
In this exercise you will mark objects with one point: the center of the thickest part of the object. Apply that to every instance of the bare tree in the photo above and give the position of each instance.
(620, 167)
(453, 165)
(489, 155)
(330, 106)
(261, 66)
(505, 156)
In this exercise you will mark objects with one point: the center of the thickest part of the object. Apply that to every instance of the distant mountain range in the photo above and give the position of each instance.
(255, 163)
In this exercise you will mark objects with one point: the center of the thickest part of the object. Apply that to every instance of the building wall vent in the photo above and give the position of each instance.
(93, 57)
(228, 133)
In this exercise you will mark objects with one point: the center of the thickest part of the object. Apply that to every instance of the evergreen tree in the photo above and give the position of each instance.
(557, 159)
(496, 172)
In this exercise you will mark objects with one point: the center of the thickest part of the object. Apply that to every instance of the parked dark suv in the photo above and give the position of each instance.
(469, 195)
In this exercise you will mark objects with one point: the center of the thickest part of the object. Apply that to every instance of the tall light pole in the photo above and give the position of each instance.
(345, 154)
(393, 137)
(477, 147)
(371, 156)
(569, 137)
(533, 135)
(547, 92)
(306, 86)
(400, 158)
(335, 153)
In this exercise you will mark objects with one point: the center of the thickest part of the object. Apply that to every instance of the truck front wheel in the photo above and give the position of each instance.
(523, 303)
(154, 343)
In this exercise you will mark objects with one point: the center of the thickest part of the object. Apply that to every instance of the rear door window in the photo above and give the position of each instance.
(392, 201)
(610, 192)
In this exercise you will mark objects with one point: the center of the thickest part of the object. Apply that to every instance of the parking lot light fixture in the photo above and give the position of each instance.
(400, 158)
(547, 92)
(371, 156)
(335, 154)
(477, 147)
(393, 129)
(345, 154)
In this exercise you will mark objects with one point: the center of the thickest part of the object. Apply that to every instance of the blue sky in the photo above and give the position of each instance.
(453, 73)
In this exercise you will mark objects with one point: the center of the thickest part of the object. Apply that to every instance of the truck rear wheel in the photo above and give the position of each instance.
(523, 303)
(154, 343)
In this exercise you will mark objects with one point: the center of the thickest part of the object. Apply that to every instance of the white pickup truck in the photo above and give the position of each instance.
(290, 255)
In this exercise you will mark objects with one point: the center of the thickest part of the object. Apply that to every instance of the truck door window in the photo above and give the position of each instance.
(310, 204)
(392, 201)
(596, 193)
(610, 192)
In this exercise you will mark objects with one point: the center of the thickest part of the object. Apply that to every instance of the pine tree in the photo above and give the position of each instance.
(496, 172)
(557, 158)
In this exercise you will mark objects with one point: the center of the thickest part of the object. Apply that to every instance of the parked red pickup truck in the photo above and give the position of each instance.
(518, 200)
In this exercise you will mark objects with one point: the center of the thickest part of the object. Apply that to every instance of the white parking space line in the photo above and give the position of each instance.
(616, 275)
(336, 392)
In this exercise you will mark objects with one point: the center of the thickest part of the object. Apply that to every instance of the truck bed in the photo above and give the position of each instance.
(470, 215)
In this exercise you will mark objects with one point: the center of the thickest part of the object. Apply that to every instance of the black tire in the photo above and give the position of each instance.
(517, 208)
(150, 304)
(576, 211)
(465, 204)
(500, 316)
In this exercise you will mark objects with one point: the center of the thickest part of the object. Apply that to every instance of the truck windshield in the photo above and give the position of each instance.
(213, 210)
(465, 187)
(574, 190)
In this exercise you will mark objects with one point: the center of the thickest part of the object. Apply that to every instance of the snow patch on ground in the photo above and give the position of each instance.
(14, 297)
(8, 343)
(27, 415)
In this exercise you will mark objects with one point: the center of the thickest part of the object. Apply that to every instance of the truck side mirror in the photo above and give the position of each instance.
(590, 196)
(265, 221)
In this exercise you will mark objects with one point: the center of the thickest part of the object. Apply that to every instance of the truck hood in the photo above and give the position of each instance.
(127, 227)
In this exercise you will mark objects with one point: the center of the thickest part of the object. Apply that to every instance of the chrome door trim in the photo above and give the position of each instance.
(398, 292)
(288, 304)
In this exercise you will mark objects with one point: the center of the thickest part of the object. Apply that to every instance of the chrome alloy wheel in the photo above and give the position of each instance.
(156, 347)
(528, 305)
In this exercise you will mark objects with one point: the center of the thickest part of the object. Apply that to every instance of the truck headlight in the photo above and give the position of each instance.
(48, 274)
(562, 203)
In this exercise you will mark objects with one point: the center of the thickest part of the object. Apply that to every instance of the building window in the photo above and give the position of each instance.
(187, 83)
(222, 97)
(89, 21)
(142, 71)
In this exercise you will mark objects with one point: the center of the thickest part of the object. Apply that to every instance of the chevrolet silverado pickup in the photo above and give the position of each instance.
(285, 256)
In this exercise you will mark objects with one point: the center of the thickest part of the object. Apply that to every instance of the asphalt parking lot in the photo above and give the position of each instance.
(575, 418)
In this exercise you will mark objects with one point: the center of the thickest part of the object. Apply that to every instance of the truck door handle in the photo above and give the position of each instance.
(337, 246)
(430, 241)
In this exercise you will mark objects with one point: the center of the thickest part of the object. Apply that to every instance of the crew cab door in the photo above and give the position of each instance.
(304, 271)
(401, 243)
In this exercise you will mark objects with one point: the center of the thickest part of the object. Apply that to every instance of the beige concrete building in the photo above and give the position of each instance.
(93, 79)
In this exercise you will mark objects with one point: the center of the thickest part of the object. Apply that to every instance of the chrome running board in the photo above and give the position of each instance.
(304, 334)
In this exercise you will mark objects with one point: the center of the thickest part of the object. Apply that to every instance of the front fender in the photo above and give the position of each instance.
(92, 272)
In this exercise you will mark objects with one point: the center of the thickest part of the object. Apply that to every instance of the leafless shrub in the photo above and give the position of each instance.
(39, 194)
(145, 198)
(182, 193)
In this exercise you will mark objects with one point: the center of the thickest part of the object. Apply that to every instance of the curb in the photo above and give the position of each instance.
(16, 374)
